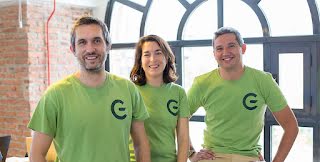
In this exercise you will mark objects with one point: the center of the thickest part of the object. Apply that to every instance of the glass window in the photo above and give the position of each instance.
(253, 56)
(121, 62)
(197, 61)
(196, 135)
(202, 22)
(284, 20)
(161, 21)
(141, 2)
(191, 1)
(291, 78)
(200, 111)
(303, 142)
(239, 15)
(164, 18)
(261, 142)
(122, 29)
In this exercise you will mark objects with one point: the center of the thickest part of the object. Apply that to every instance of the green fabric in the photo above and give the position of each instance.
(235, 109)
(165, 105)
(89, 124)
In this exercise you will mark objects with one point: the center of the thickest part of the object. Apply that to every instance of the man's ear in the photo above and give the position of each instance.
(72, 50)
(244, 48)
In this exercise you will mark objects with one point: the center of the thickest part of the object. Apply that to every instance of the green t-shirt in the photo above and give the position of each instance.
(89, 124)
(165, 105)
(235, 109)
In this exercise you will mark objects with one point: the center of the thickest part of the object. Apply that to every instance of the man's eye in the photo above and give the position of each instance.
(81, 42)
(232, 45)
(97, 41)
(218, 49)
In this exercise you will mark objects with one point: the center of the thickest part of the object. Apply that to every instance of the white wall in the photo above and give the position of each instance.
(99, 6)
(100, 9)
(6, 2)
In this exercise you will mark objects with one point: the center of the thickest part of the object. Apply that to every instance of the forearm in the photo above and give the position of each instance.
(142, 152)
(140, 142)
(183, 148)
(288, 122)
(183, 139)
(286, 143)
(39, 146)
(37, 158)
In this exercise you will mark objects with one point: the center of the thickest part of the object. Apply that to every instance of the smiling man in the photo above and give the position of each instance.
(90, 114)
(235, 98)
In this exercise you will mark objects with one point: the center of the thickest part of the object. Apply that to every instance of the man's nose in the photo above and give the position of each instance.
(90, 48)
(225, 50)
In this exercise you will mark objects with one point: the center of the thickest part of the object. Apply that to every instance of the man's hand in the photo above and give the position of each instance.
(203, 154)
(261, 157)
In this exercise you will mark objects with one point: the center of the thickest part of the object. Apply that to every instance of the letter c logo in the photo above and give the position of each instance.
(120, 117)
(173, 109)
(250, 101)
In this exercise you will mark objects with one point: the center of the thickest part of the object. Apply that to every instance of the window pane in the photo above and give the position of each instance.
(297, 17)
(200, 111)
(161, 21)
(251, 27)
(141, 2)
(191, 1)
(254, 56)
(120, 23)
(202, 22)
(291, 78)
(121, 62)
(197, 61)
(303, 142)
(261, 142)
(196, 134)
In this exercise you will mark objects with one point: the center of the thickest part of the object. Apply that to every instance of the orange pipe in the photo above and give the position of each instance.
(48, 48)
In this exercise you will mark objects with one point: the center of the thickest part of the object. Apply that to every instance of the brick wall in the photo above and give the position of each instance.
(23, 61)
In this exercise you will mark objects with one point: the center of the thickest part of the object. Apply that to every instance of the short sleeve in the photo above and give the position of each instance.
(44, 118)
(139, 111)
(273, 95)
(184, 106)
(194, 97)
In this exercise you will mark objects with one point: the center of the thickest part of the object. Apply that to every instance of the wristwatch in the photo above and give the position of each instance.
(191, 152)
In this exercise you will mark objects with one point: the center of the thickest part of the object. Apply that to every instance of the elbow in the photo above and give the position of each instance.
(37, 157)
(296, 130)
(32, 157)
(183, 141)
(293, 129)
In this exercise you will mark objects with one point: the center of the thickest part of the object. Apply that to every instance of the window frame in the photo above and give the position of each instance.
(308, 117)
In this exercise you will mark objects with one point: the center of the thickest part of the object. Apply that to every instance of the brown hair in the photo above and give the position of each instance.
(137, 74)
(88, 20)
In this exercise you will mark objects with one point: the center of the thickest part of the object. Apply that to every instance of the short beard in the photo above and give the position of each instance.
(100, 68)
(95, 70)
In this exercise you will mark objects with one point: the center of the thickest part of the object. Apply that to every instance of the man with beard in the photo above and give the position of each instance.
(90, 114)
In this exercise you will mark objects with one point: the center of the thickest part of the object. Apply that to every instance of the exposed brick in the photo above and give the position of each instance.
(23, 62)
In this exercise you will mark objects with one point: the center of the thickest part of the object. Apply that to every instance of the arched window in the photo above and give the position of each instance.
(283, 37)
